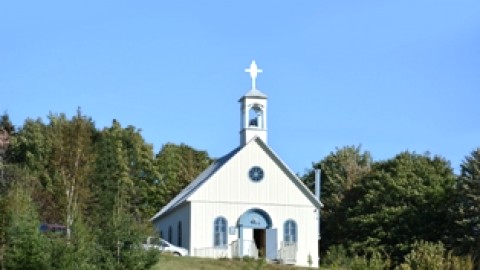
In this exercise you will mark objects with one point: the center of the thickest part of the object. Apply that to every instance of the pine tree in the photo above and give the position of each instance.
(117, 185)
(178, 166)
(26, 247)
(468, 212)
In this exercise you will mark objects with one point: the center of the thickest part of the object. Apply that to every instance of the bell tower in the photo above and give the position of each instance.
(253, 110)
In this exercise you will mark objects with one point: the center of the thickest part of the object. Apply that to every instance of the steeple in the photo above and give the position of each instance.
(253, 110)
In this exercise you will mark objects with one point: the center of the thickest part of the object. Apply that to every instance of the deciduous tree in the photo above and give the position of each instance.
(71, 162)
(340, 172)
(401, 200)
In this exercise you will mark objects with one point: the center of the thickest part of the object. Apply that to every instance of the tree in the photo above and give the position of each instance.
(178, 166)
(96, 182)
(59, 157)
(71, 163)
(12, 175)
(401, 200)
(30, 149)
(80, 252)
(340, 172)
(123, 164)
(467, 210)
(6, 124)
(26, 247)
(7, 130)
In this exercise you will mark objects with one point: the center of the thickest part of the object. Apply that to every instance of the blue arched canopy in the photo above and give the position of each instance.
(255, 218)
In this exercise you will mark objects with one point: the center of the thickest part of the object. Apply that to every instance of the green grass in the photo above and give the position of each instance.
(168, 262)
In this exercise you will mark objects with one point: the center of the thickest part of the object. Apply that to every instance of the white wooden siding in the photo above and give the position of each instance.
(204, 214)
(230, 193)
(181, 214)
(231, 183)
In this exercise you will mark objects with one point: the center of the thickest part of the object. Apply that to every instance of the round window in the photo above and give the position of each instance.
(256, 174)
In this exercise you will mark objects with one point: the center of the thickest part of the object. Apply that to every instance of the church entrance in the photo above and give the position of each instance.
(260, 241)
(256, 237)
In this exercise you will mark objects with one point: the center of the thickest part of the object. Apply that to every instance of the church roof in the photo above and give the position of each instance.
(255, 93)
(283, 166)
(195, 184)
(212, 169)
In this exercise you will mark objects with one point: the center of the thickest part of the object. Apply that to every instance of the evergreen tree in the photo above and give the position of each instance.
(11, 175)
(6, 132)
(117, 184)
(26, 247)
(468, 208)
(30, 148)
(80, 252)
(6, 124)
(178, 166)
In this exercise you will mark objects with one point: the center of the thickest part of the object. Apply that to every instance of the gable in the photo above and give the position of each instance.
(279, 186)
(227, 180)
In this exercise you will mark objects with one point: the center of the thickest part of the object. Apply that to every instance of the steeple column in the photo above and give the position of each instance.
(253, 110)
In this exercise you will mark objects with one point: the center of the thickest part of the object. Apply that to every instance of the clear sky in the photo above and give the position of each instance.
(389, 75)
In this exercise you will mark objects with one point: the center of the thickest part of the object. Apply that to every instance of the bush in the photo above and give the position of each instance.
(433, 256)
(337, 257)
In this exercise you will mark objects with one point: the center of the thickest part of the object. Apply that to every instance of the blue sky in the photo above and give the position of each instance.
(389, 75)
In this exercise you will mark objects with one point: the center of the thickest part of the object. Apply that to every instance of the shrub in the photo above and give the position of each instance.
(433, 256)
(337, 257)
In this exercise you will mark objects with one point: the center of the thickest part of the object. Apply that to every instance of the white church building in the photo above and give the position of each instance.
(247, 203)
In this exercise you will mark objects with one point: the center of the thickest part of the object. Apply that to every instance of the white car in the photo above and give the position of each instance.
(164, 246)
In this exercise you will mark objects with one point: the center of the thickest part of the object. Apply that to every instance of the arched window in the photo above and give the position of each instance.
(255, 116)
(220, 232)
(170, 234)
(290, 231)
(179, 234)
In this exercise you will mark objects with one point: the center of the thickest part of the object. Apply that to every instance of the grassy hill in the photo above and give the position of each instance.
(168, 262)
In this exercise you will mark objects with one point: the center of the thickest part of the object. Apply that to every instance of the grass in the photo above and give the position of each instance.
(168, 262)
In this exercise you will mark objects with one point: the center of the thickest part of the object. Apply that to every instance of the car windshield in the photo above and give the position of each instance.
(155, 241)
(164, 243)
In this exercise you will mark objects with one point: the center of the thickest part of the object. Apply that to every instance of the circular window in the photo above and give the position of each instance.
(256, 173)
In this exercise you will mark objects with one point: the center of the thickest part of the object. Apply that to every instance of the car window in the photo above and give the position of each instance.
(155, 241)
(164, 243)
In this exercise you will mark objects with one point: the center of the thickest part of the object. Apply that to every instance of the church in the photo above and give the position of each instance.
(247, 203)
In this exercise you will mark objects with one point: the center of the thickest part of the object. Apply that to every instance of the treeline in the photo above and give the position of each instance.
(101, 186)
(104, 185)
(395, 209)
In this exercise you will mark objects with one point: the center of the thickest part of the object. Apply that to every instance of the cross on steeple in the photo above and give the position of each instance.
(253, 70)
